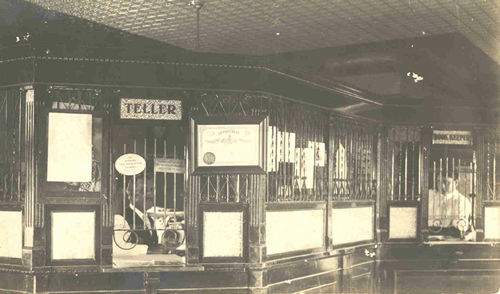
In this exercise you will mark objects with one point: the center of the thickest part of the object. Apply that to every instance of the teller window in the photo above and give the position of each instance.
(148, 202)
(452, 193)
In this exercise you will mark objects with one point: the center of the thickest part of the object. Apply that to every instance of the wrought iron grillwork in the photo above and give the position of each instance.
(296, 156)
(156, 193)
(492, 166)
(75, 100)
(230, 104)
(226, 188)
(296, 153)
(404, 156)
(12, 168)
(353, 151)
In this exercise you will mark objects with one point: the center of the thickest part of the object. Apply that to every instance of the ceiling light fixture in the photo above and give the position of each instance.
(198, 4)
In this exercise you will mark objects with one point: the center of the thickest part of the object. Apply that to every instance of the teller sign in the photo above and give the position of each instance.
(154, 109)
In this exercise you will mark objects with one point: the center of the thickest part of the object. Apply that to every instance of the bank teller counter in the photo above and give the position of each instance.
(442, 212)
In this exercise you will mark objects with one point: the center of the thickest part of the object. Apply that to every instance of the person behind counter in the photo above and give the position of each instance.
(454, 211)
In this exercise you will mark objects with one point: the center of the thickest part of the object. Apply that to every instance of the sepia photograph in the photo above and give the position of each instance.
(249, 146)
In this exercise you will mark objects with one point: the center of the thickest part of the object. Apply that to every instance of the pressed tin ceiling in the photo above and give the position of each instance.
(261, 27)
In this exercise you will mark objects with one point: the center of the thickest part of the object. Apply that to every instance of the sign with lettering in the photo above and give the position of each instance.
(452, 137)
(170, 165)
(130, 164)
(131, 108)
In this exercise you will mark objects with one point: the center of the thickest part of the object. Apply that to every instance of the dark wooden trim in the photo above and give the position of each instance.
(356, 244)
(295, 253)
(353, 203)
(224, 207)
(295, 205)
(10, 260)
(12, 206)
(97, 234)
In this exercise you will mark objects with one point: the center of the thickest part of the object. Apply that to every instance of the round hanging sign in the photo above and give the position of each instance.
(130, 164)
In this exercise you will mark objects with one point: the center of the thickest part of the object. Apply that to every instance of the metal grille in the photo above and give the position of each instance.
(452, 194)
(492, 167)
(75, 100)
(353, 176)
(226, 188)
(165, 189)
(11, 145)
(405, 160)
(296, 145)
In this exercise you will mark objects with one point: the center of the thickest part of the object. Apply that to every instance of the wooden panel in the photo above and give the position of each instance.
(80, 282)
(73, 235)
(223, 234)
(351, 225)
(446, 282)
(305, 283)
(304, 267)
(11, 226)
(403, 222)
(492, 222)
(294, 230)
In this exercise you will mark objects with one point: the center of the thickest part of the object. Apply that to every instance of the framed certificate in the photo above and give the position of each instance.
(228, 145)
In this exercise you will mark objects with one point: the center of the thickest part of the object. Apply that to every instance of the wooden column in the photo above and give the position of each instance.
(383, 188)
(426, 138)
(257, 233)
(480, 181)
(34, 246)
(192, 227)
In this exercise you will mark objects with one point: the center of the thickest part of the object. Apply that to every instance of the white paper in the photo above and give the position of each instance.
(403, 222)
(73, 235)
(294, 230)
(228, 145)
(11, 230)
(222, 234)
(352, 225)
(287, 147)
(69, 147)
(320, 155)
(273, 143)
(309, 167)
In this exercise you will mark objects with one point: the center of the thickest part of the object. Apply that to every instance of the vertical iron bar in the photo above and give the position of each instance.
(124, 188)
(145, 181)
(413, 180)
(154, 181)
(175, 190)
(217, 177)
(406, 171)
(392, 169)
(164, 182)
(18, 146)
(133, 188)
(399, 169)
(237, 200)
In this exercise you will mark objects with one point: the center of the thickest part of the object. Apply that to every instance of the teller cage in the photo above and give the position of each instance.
(146, 176)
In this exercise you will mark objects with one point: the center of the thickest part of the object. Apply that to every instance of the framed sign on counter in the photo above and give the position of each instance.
(221, 145)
